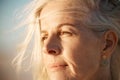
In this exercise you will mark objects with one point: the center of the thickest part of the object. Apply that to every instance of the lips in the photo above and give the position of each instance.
(57, 66)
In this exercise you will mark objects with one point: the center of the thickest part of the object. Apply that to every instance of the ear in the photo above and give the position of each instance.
(110, 40)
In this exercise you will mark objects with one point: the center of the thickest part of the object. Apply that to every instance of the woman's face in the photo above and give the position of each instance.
(70, 50)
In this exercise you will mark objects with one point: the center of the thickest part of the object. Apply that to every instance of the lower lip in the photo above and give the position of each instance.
(57, 68)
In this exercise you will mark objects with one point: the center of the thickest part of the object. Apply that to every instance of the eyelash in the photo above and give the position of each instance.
(43, 38)
(61, 34)
(65, 33)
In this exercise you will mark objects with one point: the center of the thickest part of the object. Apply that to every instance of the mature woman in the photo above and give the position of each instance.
(74, 40)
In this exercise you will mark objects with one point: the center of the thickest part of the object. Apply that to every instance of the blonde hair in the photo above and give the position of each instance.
(105, 21)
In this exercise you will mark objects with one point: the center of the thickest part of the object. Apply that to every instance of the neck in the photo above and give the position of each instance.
(103, 73)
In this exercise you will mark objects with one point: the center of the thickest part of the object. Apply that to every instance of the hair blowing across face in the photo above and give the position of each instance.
(106, 13)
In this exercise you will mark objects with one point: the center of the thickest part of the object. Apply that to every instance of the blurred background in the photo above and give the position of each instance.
(9, 38)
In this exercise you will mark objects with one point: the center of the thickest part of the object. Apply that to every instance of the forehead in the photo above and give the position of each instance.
(64, 4)
(61, 7)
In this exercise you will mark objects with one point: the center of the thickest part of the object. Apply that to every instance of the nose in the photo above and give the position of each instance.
(52, 46)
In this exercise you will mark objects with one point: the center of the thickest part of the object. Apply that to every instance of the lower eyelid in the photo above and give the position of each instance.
(66, 33)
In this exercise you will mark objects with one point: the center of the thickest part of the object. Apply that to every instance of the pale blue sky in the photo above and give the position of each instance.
(9, 41)
(7, 11)
(7, 21)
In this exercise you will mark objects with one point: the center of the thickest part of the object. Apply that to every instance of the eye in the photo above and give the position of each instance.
(43, 37)
(65, 33)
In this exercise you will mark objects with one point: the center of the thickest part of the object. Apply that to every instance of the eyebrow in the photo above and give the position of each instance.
(43, 31)
(59, 26)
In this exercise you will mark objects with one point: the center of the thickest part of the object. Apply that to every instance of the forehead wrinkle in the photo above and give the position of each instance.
(74, 17)
(56, 6)
(71, 14)
(62, 11)
(74, 20)
(75, 12)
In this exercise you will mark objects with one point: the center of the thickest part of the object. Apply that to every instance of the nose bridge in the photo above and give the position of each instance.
(52, 45)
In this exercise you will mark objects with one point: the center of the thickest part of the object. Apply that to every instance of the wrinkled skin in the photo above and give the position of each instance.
(71, 51)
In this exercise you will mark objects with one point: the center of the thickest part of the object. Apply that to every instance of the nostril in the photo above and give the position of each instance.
(53, 52)
(51, 49)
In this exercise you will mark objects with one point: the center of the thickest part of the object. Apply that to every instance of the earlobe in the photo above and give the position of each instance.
(110, 42)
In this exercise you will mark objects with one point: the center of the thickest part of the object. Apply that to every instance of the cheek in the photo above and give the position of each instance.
(83, 56)
(47, 59)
